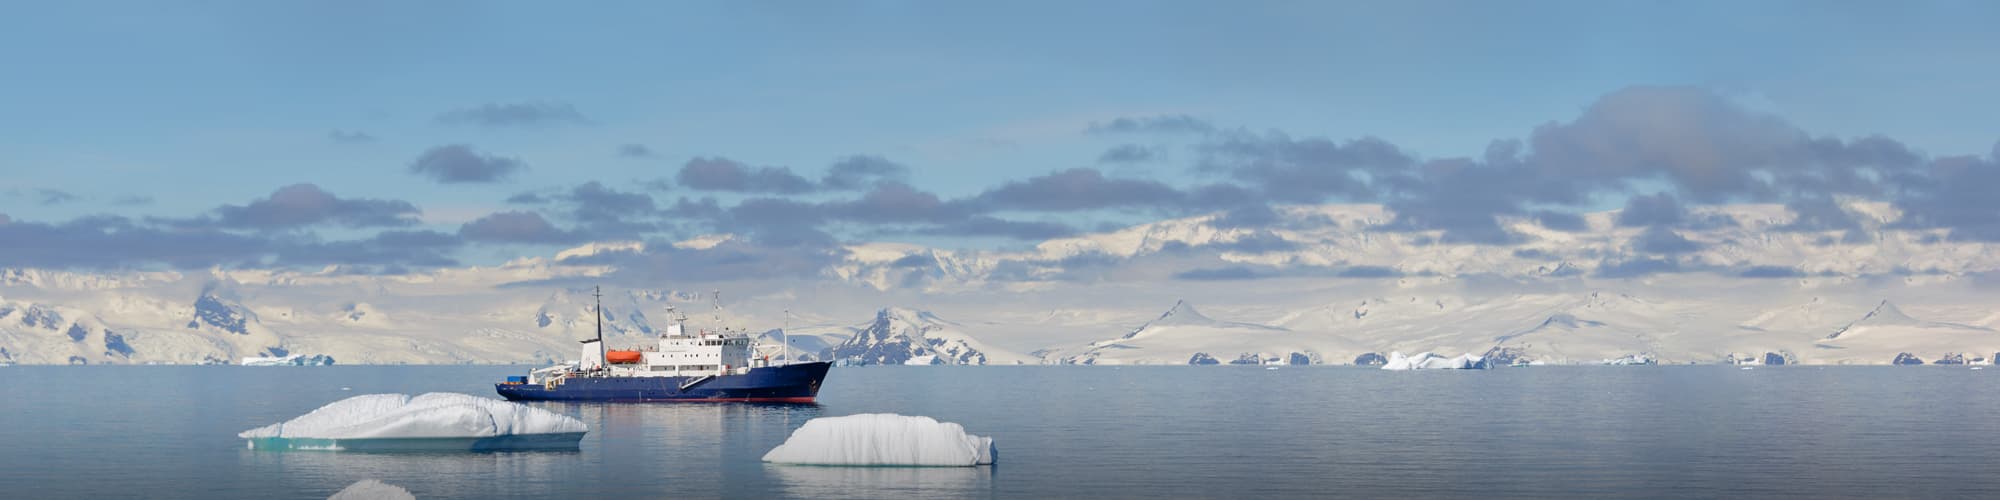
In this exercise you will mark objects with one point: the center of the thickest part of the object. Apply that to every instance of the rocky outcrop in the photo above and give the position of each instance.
(1248, 358)
(1775, 359)
(1298, 358)
(1202, 358)
(1950, 358)
(1370, 359)
(1504, 355)
(1906, 359)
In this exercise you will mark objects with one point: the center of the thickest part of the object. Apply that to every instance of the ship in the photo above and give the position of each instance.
(699, 366)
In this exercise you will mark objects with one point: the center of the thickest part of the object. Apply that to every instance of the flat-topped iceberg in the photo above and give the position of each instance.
(435, 421)
(1432, 361)
(883, 439)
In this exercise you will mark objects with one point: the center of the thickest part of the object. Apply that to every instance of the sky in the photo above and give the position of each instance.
(407, 135)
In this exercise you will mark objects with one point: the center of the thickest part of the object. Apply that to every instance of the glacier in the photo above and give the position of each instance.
(438, 420)
(883, 439)
(290, 360)
(1432, 361)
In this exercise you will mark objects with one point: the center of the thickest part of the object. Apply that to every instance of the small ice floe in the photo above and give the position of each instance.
(1978, 367)
(369, 489)
(1270, 367)
(347, 388)
(1747, 368)
(1431, 361)
(883, 439)
(438, 421)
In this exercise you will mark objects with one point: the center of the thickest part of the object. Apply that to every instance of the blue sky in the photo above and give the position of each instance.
(197, 105)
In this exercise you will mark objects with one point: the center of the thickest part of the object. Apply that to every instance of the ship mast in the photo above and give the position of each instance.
(598, 293)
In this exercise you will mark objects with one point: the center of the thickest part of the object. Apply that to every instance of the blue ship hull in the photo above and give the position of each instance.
(798, 383)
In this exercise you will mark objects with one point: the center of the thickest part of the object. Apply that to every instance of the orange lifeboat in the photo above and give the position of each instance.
(621, 357)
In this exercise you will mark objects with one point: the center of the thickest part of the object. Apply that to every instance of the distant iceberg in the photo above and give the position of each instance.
(292, 360)
(435, 421)
(883, 439)
(1431, 361)
(1632, 360)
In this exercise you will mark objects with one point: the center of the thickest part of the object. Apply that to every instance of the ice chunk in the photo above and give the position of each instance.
(369, 489)
(438, 420)
(1432, 361)
(883, 439)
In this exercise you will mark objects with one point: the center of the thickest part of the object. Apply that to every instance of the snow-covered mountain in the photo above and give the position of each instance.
(1328, 283)
(1183, 335)
(899, 335)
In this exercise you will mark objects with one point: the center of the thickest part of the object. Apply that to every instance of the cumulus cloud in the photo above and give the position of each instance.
(1227, 273)
(514, 115)
(515, 227)
(1306, 170)
(723, 174)
(301, 205)
(996, 227)
(1561, 221)
(861, 171)
(1771, 272)
(459, 163)
(1161, 124)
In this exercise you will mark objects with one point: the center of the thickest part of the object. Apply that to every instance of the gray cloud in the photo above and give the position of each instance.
(1637, 268)
(132, 200)
(458, 163)
(991, 226)
(1771, 272)
(1957, 195)
(349, 137)
(106, 242)
(635, 151)
(1660, 209)
(723, 174)
(1368, 272)
(1227, 273)
(1128, 153)
(54, 196)
(1819, 214)
(301, 205)
(1660, 240)
(1079, 189)
(1561, 221)
(515, 227)
(514, 115)
(1162, 124)
(861, 171)
(1306, 170)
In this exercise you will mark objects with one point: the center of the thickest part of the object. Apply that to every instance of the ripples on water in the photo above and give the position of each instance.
(1597, 432)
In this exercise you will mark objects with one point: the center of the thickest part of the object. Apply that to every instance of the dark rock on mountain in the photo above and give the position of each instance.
(1202, 358)
(1370, 359)
(1906, 359)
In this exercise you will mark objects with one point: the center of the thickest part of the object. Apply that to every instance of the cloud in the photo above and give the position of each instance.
(723, 174)
(1128, 153)
(1228, 273)
(1161, 124)
(635, 151)
(991, 226)
(1637, 268)
(106, 242)
(349, 137)
(458, 163)
(1257, 242)
(1819, 214)
(54, 196)
(1368, 272)
(1957, 194)
(392, 250)
(1771, 272)
(861, 171)
(732, 260)
(1079, 189)
(1660, 209)
(515, 227)
(1561, 221)
(301, 205)
(1308, 170)
(1660, 240)
(132, 200)
(521, 114)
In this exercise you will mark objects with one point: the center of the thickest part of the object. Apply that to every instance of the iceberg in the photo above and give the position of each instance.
(292, 360)
(435, 421)
(883, 439)
(370, 489)
(1431, 361)
(1632, 360)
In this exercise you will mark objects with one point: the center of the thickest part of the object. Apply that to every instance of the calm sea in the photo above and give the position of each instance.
(1235, 432)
